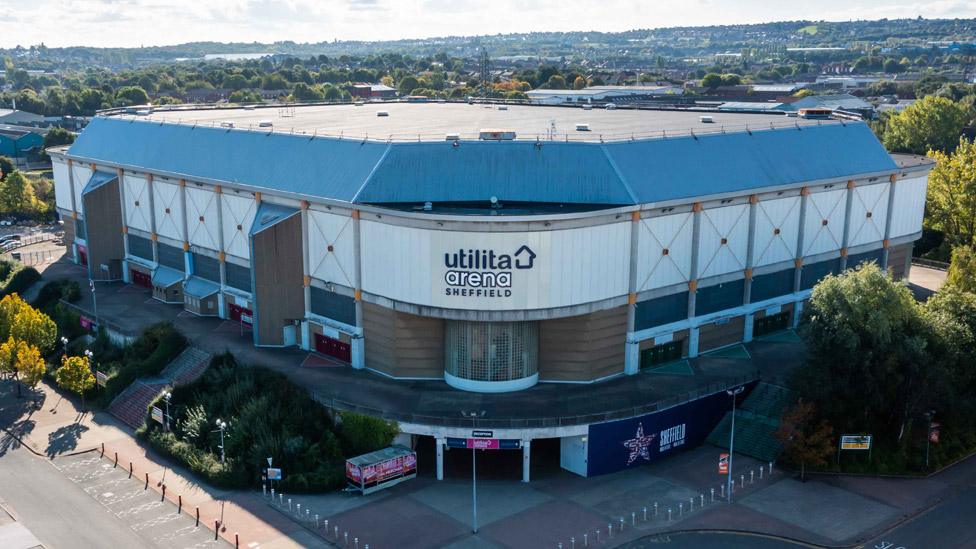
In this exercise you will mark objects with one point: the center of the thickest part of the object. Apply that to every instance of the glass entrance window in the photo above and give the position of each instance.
(491, 351)
(771, 323)
(661, 354)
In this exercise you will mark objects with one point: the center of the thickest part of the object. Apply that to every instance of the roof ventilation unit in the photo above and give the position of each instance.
(265, 124)
(428, 206)
(453, 136)
(706, 119)
(503, 107)
(382, 113)
(582, 127)
(496, 135)
(587, 107)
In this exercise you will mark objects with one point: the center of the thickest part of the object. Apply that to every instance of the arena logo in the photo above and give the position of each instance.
(672, 437)
(484, 273)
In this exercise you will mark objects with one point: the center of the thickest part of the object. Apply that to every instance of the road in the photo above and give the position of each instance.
(711, 541)
(68, 503)
(949, 524)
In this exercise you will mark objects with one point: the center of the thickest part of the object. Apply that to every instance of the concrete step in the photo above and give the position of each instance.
(187, 367)
(131, 404)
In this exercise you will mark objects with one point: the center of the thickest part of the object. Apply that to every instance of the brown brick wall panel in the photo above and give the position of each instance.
(278, 283)
(105, 238)
(379, 338)
(419, 346)
(712, 336)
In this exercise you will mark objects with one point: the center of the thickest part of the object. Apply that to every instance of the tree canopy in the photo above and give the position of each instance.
(951, 197)
(930, 124)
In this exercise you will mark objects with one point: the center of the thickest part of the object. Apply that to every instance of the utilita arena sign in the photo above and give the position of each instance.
(484, 273)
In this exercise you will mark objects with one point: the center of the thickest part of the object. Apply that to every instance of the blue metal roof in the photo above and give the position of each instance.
(612, 173)
(199, 287)
(166, 277)
(98, 179)
(269, 214)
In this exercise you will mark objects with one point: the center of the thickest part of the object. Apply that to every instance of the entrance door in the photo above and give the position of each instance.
(329, 346)
(660, 354)
(83, 255)
(141, 279)
(241, 314)
(771, 323)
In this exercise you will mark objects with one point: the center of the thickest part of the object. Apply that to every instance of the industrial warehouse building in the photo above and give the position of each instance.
(492, 248)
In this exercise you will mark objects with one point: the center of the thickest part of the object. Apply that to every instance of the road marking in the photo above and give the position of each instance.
(139, 509)
(154, 522)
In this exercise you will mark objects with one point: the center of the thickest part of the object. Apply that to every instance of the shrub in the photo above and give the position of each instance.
(54, 291)
(156, 347)
(267, 416)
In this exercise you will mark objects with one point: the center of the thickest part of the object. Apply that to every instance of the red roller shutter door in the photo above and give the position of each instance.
(333, 347)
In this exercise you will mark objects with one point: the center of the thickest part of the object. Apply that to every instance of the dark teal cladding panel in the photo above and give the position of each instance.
(815, 272)
(719, 297)
(513, 171)
(140, 247)
(772, 285)
(332, 305)
(661, 310)
(872, 256)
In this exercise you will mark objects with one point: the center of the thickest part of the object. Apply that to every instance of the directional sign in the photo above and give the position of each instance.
(274, 474)
(157, 414)
(101, 378)
(484, 443)
(934, 432)
(855, 442)
(482, 434)
(723, 464)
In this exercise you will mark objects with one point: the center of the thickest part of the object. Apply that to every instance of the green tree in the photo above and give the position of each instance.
(556, 82)
(711, 80)
(731, 79)
(6, 167)
(962, 269)
(8, 360)
(407, 85)
(131, 95)
(90, 100)
(869, 367)
(34, 328)
(932, 123)
(951, 197)
(75, 375)
(805, 440)
(58, 136)
(361, 434)
(17, 195)
(579, 83)
(305, 92)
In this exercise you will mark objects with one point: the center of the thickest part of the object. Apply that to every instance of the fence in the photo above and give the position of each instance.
(37, 258)
(932, 264)
(523, 423)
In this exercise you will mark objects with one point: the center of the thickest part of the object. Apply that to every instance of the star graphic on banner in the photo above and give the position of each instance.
(638, 445)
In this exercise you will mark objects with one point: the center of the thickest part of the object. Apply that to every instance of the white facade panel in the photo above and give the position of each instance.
(82, 173)
(777, 224)
(495, 271)
(869, 210)
(664, 250)
(237, 213)
(62, 184)
(137, 212)
(168, 206)
(201, 218)
(823, 229)
(909, 206)
(724, 240)
(331, 248)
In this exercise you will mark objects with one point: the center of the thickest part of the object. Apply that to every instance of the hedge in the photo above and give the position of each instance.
(15, 277)
(152, 351)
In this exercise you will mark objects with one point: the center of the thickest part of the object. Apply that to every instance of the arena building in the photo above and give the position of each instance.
(491, 247)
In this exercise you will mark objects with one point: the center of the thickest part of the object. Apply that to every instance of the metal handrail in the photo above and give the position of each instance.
(537, 422)
(930, 263)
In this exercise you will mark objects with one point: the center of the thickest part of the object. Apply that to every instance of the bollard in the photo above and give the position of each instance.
(298, 509)
(345, 539)
(281, 500)
(621, 524)
(712, 490)
(586, 540)
(669, 514)
(633, 519)
(264, 490)
(691, 504)
(198, 518)
(560, 545)
(337, 534)
(609, 530)
(742, 481)
(179, 510)
(316, 521)
(103, 450)
(702, 501)
(752, 477)
(655, 509)
(770, 467)
(116, 460)
(306, 513)
(761, 471)
(163, 496)
(645, 514)
(216, 529)
(147, 482)
(355, 542)
(272, 496)
(722, 487)
(289, 504)
(237, 540)
(572, 543)
(681, 509)
(130, 469)
(325, 524)
(598, 535)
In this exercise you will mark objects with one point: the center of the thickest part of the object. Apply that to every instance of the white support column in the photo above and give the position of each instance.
(847, 224)
(221, 255)
(74, 210)
(189, 267)
(750, 253)
(693, 342)
(152, 217)
(526, 460)
(748, 325)
(440, 443)
(693, 276)
(126, 276)
(307, 280)
(890, 214)
(800, 240)
(797, 311)
(631, 346)
(358, 344)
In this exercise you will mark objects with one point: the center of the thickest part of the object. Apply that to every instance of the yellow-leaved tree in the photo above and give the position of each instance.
(30, 365)
(35, 328)
(75, 375)
(10, 307)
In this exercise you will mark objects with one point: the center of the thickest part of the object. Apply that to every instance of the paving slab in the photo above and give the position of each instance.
(496, 500)
(400, 522)
(823, 509)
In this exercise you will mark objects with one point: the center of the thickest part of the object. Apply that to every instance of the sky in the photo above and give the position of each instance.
(133, 23)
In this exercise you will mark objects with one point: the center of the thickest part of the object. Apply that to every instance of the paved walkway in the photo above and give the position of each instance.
(54, 428)
(925, 281)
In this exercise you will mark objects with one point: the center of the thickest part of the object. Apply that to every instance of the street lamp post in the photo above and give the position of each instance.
(474, 471)
(928, 435)
(221, 426)
(64, 343)
(733, 392)
(166, 398)
(91, 284)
